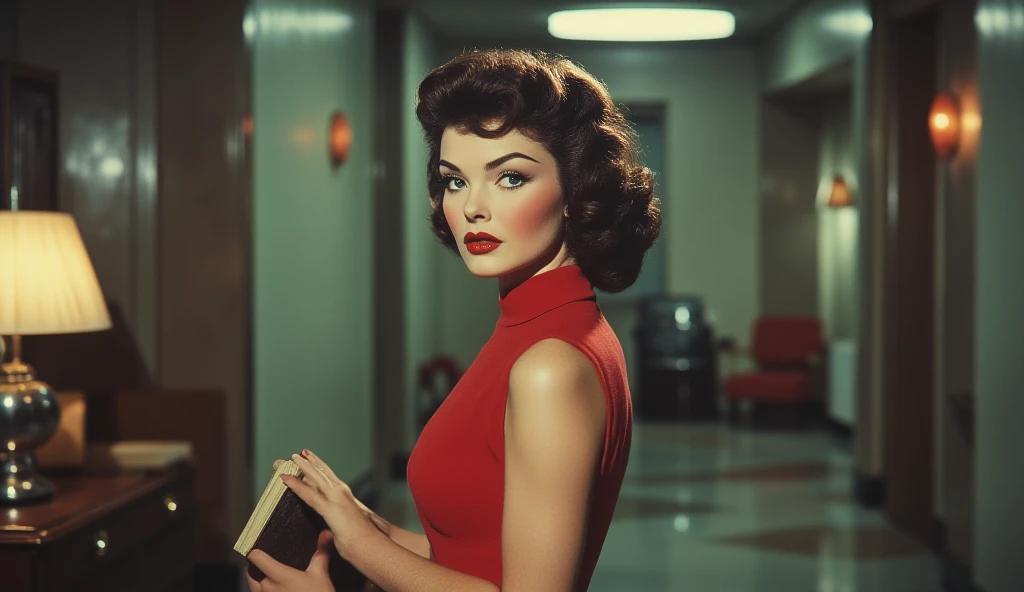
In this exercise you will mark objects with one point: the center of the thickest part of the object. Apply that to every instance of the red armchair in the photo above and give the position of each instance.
(787, 351)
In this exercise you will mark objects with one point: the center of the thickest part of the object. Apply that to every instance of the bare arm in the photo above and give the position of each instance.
(554, 437)
(412, 541)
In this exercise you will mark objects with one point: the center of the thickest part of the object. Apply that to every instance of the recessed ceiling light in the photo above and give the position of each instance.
(641, 24)
(857, 23)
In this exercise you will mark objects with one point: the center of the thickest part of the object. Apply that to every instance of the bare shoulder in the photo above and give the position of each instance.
(554, 437)
(553, 375)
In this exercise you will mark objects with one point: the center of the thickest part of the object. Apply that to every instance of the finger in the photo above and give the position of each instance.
(272, 568)
(318, 463)
(306, 493)
(254, 586)
(277, 463)
(312, 474)
(320, 561)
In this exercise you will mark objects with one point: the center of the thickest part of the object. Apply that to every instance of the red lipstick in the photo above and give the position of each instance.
(480, 243)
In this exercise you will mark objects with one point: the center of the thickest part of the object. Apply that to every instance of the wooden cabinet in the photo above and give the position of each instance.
(125, 532)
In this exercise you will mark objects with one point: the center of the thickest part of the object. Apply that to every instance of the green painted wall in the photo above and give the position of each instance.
(312, 274)
(422, 250)
(999, 315)
(837, 228)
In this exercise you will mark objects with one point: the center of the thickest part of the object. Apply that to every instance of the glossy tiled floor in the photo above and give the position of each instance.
(714, 509)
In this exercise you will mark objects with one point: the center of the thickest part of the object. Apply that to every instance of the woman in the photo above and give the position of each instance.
(534, 180)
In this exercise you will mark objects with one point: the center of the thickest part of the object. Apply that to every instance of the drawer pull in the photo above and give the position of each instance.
(102, 542)
(170, 503)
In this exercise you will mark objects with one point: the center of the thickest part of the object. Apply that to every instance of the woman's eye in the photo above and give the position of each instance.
(455, 184)
(512, 180)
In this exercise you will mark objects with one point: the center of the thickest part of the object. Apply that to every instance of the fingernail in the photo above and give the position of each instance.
(305, 453)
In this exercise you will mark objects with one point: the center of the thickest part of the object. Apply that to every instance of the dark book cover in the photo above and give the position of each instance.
(290, 534)
(290, 537)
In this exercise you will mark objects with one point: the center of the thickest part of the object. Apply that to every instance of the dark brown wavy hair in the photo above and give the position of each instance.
(613, 216)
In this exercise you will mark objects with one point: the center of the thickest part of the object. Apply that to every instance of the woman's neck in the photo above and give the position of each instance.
(559, 258)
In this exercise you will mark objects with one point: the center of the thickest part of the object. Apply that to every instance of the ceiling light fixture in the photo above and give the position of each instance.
(641, 24)
(854, 23)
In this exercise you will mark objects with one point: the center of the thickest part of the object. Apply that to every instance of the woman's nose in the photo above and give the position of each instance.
(475, 208)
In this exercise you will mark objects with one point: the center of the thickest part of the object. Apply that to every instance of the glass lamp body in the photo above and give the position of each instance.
(29, 416)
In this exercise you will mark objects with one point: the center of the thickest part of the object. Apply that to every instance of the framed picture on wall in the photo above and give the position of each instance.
(28, 137)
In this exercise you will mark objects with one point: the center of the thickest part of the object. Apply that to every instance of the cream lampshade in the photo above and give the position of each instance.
(47, 286)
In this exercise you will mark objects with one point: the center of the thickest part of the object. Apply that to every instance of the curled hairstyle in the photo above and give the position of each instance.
(613, 216)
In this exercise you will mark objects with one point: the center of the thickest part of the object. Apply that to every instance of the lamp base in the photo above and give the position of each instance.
(21, 484)
(29, 416)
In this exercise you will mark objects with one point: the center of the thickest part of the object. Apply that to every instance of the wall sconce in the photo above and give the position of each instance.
(840, 195)
(339, 139)
(944, 125)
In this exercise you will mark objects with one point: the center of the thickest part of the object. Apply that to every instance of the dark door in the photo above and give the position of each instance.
(910, 298)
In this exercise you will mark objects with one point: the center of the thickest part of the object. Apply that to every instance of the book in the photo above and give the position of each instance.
(286, 528)
(282, 525)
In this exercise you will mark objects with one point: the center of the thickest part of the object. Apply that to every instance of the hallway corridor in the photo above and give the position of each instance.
(713, 509)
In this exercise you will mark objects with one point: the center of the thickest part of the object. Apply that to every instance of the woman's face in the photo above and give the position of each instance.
(503, 202)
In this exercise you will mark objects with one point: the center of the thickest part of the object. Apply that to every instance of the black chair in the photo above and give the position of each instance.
(677, 359)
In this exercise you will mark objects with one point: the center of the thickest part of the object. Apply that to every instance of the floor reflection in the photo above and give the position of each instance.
(710, 508)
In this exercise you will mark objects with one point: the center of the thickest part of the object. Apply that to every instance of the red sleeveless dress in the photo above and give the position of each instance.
(457, 469)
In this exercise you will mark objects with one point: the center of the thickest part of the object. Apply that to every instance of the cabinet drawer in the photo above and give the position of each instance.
(152, 567)
(113, 537)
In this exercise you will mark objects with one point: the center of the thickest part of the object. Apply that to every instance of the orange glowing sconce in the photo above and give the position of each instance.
(339, 139)
(944, 125)
(840, 195)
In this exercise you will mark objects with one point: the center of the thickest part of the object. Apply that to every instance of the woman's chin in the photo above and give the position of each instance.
(482, 267)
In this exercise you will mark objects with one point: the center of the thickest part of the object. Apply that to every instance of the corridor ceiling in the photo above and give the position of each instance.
(524, 22)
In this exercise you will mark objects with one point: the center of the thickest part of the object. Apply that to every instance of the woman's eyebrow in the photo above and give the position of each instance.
(497, 162)
(445, 163)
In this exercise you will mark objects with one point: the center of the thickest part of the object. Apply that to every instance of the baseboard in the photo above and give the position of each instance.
(956, 577)
(869, 490)
(839, 428)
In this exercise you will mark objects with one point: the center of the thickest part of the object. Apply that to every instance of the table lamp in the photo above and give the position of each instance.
(47, 286)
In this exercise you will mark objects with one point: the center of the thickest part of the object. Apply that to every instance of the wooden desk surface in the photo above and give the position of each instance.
(79, 499)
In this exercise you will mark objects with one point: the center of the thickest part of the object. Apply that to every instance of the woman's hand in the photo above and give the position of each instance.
(281, 578)
(348, 519)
